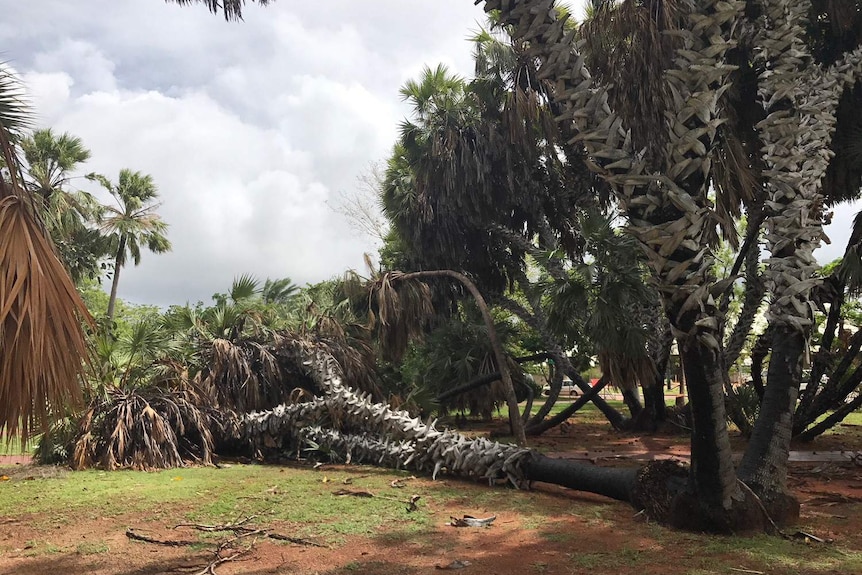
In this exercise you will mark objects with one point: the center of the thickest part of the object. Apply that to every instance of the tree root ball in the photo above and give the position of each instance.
(657, 485)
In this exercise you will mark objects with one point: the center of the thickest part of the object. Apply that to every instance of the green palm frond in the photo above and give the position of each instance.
(244, 287)
(15, 112)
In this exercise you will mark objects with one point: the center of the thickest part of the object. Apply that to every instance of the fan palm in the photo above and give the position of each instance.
(43, 350)
(67, 213)
(133, 222)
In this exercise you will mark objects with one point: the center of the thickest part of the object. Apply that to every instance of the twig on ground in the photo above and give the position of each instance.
(241, 527)
(132, 534)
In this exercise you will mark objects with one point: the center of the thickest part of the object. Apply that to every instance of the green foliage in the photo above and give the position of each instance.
(456, 351)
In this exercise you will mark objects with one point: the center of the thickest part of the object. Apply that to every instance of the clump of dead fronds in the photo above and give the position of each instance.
(43, 350)
(150, 428)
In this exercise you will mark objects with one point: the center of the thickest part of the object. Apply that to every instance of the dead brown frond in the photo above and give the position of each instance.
(399, 309)
(43, 350)
(627, 372)
(245, 375)
(630, 45)
(738, 183)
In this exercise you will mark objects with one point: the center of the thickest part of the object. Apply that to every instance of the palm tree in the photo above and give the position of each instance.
(68, 214)
(133, 222)
(50, 158)
(41, 331)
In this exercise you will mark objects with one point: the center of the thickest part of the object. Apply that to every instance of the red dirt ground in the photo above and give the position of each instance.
(589, 535)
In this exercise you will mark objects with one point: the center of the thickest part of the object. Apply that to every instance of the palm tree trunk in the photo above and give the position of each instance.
(764, 465)
(801, 102)
(616, 483)
(562, 364)
(364, 431)
(713, 479)
(118, 264)
(515, 421)
(544, 425)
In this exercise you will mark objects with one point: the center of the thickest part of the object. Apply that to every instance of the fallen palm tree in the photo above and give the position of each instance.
(352, 428)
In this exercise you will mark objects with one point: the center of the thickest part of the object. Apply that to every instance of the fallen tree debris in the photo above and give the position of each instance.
(136, 536)
(470, 521)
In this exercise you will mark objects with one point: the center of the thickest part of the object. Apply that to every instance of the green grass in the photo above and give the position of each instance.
(290, 495)
(297, 501)
(14, 446)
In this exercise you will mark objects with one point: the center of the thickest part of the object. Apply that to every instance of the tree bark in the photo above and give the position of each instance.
(713, 480)
(764, 464)
(616, 483)
(118, 264)
(633, 402)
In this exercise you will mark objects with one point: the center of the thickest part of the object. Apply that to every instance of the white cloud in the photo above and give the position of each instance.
(247, 128)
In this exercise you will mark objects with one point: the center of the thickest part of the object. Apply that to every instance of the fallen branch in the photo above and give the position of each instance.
(244, 530)
(411, 503)
(132, 534)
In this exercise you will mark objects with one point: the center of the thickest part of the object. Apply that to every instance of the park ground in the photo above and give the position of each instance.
(354, 519)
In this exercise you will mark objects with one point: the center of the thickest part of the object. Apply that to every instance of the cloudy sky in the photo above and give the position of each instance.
(251, 130)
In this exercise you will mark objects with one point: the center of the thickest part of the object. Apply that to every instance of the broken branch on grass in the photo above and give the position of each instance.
(132, 534)
(411, 503)
(241, 527)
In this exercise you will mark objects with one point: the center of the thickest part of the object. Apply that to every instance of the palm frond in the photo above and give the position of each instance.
(150, 429)
(232, 9)
(244, 287)
(44, 350)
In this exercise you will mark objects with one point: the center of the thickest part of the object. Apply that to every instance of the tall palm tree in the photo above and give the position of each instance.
(133, 222)
(44, 349)
(68, 214)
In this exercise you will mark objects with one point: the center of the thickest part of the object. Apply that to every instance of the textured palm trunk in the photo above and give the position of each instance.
(801, 102)
(667, 206)
(764, 464)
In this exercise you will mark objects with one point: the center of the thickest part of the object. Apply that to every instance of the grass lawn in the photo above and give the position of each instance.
(63, 521)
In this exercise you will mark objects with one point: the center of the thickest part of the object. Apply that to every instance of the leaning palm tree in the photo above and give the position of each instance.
(44, 350)
(132, 222)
